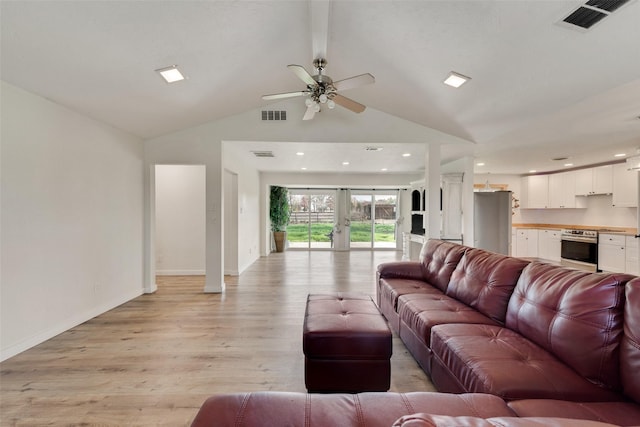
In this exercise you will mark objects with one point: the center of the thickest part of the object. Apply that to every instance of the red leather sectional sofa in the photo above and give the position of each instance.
(480, 322)
(522, 344)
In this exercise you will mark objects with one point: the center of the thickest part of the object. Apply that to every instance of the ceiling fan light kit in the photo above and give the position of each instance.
(322, 90)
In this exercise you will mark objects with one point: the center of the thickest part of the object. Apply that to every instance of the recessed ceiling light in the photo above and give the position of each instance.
(619, 155)
(406, 155)
(568, 164)
(383, 169)
(456, 80)
(533, 171)
(170, 74)
(299, 153)
(480, 164)
(304, 169)
(345, 163)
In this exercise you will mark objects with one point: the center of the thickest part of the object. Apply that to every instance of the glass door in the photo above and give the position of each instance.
(361, 220)
(312, 218)
(373, 219)
(384, 220)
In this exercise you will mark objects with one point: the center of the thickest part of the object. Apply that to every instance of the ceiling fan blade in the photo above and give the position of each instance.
(308, 115)
(284, 95)
(355, 81)
(302, 74)
(349, 104)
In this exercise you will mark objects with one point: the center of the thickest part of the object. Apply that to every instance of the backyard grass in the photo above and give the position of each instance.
(360, 232)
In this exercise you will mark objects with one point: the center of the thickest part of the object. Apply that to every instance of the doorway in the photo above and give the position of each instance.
(180, 209)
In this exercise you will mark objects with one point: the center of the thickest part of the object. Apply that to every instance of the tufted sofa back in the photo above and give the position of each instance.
(485, 281)
(630, 346)
(438, 259)
(575, 315)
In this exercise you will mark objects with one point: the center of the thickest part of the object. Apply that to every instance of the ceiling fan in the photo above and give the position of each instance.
(322, 90)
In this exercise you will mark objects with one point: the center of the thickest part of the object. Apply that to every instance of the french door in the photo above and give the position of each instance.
(373, 219)
(312, 219)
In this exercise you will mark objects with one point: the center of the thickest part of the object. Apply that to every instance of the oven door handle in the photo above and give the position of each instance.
(579, 239)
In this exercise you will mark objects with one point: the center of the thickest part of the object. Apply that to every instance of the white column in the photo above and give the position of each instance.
(467, 202)
(214, 256)
(150, 230)
(432, 186)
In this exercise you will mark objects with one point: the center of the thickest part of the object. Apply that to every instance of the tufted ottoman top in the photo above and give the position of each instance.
(345, 326)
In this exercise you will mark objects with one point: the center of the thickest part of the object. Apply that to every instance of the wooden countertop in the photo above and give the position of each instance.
(601, 229)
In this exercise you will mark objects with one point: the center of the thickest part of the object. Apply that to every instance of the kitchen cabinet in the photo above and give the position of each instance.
(592, 181)
(625, 187)
(611, 253)
(562, 190)
(631, 255)
(549, 245)
(535, 192)
(527, 242)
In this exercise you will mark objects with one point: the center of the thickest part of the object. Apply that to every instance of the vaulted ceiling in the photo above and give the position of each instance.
(538, 89)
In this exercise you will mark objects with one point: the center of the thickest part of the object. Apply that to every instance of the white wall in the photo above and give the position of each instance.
(248, 209)
(599, 213)
(72, 219)
(180, 219)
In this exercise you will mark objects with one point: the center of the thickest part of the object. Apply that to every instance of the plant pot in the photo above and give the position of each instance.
(280, 237)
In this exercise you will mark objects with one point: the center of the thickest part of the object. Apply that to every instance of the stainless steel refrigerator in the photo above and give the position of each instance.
(492, 221)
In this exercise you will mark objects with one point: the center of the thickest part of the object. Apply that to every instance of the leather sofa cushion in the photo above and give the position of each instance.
(576, 315)
(485, 281)
(619, 413)
(630, 346)
(438, 259)
(421, 312)
(373, 409)
(496, 360)
(429, 420)
(391, 289)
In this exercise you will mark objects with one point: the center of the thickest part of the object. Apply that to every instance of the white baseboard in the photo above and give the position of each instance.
(180, 272)
(65, 325)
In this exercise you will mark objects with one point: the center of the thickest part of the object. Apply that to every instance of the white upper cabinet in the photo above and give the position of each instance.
(603, 179)
(625, 187)
(535, 192)
(598, 180)
(562, 190)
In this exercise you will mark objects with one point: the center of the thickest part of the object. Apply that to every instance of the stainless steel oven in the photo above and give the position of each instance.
(579, 249)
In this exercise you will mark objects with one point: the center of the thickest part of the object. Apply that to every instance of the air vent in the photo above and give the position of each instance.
(263, 153)
(373, 148)
(274, 115)
(608, 5)
(592, 12)
(584, 17)
(558, 159)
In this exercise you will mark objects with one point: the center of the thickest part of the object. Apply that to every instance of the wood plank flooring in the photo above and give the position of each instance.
(155, 359)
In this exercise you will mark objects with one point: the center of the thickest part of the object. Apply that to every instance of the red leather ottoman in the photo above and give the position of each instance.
(346, 343)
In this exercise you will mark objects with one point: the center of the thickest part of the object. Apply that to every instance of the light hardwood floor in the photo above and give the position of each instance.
(155, 359)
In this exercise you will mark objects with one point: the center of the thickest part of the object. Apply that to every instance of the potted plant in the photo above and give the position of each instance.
(279, 215)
